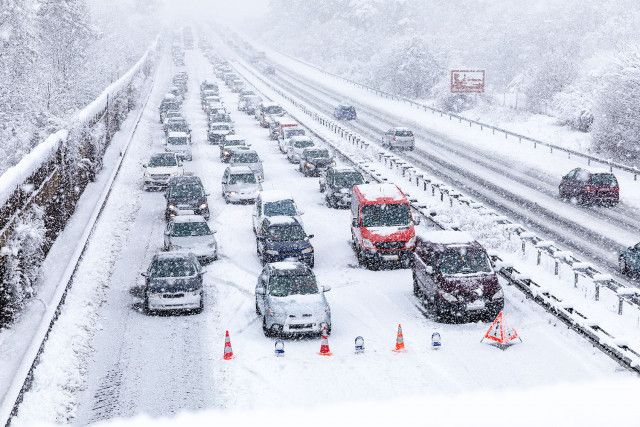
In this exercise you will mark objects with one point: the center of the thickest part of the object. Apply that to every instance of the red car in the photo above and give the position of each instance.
(586, 187)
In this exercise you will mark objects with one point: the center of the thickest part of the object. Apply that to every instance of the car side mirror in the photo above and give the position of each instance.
(144, 166)
(143, 274)
(166, 232)
(260, 291)
(310, 236)
(326, 288)
(354, 222)
(429, 269)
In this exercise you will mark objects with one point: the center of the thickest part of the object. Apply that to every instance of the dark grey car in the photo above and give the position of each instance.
(173, 281)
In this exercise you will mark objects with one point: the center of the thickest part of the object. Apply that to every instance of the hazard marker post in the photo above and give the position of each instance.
(436, 341)
(279, 348)
(501, 334)
(359, 341)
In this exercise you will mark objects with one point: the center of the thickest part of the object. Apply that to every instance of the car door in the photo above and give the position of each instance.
(634, 255)
(225, 181)
(429, 285)
(260, 238)
(421, 262)
(257, 213)
(167, 236)
(566, 184)
(263, 282)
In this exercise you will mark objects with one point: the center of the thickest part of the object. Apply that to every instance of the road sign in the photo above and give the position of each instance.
(467, 81)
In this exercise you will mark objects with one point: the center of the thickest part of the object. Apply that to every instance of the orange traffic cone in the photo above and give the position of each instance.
(324, 344)
(500, 333)
(399, 339)
(228, 352)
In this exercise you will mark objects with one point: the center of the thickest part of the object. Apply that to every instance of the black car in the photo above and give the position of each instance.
(315, 161)
(345, 112)
(185, 195)
(281, 238)
(337, 185)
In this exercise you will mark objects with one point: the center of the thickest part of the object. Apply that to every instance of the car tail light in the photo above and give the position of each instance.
(589, 189)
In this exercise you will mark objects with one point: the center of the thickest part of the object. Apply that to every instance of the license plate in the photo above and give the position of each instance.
(476, 305)
(173, 295)
(390, 257)
(186, 212)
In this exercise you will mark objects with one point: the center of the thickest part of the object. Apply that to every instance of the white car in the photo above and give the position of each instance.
(178, 143)
(296, 147)
(274, 203)
(191, 233)
(160, 169)
(239, 184)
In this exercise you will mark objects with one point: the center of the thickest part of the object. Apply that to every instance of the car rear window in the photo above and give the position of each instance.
(464, 261)
(190, 229)
(176, 267)
(303, 144)
(404, 133)
(246, 158)
(605, 179)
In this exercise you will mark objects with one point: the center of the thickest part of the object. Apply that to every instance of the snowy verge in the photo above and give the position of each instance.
(16, 175)
(23, 375)
(451, 209)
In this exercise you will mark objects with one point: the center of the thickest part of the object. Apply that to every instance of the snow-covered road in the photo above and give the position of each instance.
(164, 364)
(526, 194)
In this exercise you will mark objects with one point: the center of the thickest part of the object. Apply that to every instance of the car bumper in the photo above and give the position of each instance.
(239, 197)
(463, 308)
(175, 301)
(404, 256)
(306, 325)
(173, 213)
(160, 184)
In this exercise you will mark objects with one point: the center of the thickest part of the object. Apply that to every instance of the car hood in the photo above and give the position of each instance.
(471, 286)
(244, 187)
(173, 284)
(163, 170)
(313, 304)
(185, 201)
(388, 234)
(252, 166)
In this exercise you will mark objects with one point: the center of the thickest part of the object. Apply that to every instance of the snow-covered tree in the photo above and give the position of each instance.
(616, 125)
(23, 255)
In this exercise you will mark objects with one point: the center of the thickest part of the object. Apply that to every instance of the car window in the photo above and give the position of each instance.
(385, 215)
(405, 133)
(286, 233)
(582, 175)
(604, 179)
(283, 286)
(190, 229)
(173, 267)
(177, 141)
(246, 158)
(464, 261)
(186, 191)
(242, 178)
(347, 179)
(281, 207)
(303, 144)
(163, 160)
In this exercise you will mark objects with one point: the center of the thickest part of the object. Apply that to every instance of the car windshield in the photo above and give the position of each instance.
(188, 229)
(303, 144)
(173, 267)
(404, 133)
(246, 158)
(294, 132)
(177, 140)
(281, 207)
(385, 215)
(286, 233)
(345, 109)
(242, 178)
(273, 109)
(186, 192)
(163, 160)
(283, 286)
(318, 154)
(347, 179)
(464, 261)
(604, 179)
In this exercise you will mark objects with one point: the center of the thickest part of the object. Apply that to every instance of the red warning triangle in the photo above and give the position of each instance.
(500, 333)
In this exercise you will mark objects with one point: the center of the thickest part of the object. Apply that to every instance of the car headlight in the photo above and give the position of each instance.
(367, 244)
(411, 242)
(498, 295)
(309, 165)
(232, 193)
(448, 297)
(307, 250)
(203, 206)
(271, 252)
(172, 208)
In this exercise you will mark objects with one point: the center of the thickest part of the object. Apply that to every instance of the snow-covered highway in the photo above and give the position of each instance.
(161, 365)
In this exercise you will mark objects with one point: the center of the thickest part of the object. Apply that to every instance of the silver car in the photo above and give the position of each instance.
(296, 147)
(239, 184)
(290, 301)
(178, 142)
(191, 233)
(173, 281)
(250, 159)
(399, 138)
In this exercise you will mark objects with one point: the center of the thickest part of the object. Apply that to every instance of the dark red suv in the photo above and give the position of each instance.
(587, 187)
(453, 275)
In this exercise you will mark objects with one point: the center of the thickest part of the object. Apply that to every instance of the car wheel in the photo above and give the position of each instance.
(200, 308)
(267, 332)
(145, 304)
(312, 263)
(258, 309)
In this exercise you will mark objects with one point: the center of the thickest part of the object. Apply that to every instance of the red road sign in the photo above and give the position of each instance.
(467, 81)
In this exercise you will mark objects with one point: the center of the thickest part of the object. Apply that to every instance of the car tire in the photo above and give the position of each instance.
(145, 305)
(258, 309)
(312, 263)
(267, 332)
(200, 309)
(624, 268)
(416, 288)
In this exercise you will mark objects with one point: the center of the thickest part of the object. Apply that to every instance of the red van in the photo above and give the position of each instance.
(382, 228)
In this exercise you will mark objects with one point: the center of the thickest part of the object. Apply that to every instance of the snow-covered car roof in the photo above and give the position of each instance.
(380, 191)
(270, 196)
(174, 255)
(595, 170)
(281, 220)
(221, 124)
(188, 218)
(177, 134)
(270, 104)
(298, 138)
(343, 168)
(234, 138)
(239, 170)
(290, 267)
(401, 128)
(445, 237)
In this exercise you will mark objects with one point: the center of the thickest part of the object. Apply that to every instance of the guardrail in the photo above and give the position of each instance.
(24, 376)
(602, 338)
(635, 171)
